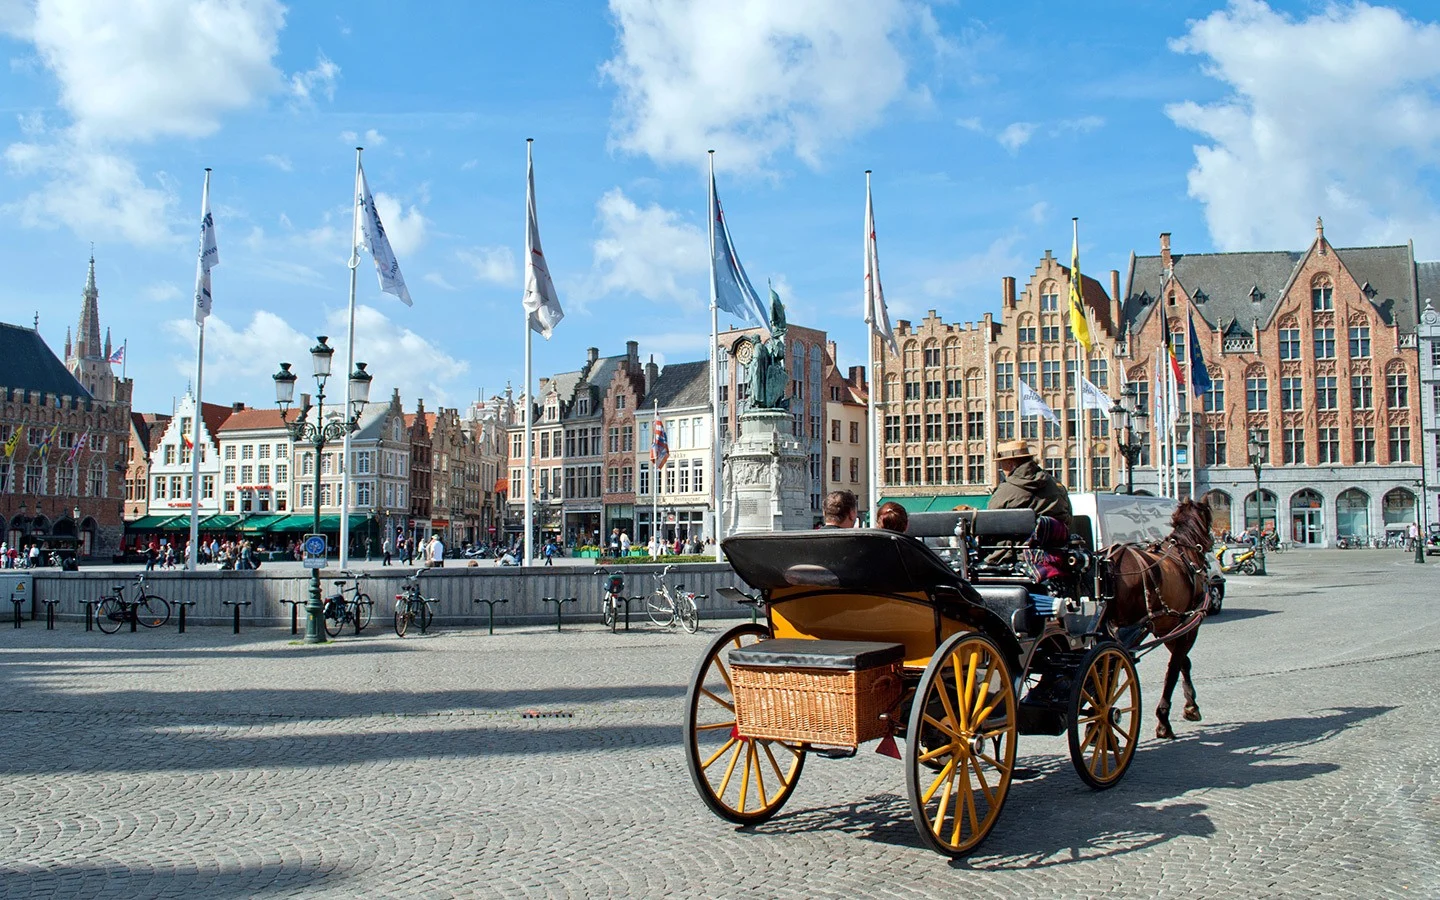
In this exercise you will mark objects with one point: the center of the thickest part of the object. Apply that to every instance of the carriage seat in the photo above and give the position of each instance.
(1017, 604)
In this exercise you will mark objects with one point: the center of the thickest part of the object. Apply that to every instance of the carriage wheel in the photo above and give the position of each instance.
(1104, 716)
(745, 780)
(963, 717)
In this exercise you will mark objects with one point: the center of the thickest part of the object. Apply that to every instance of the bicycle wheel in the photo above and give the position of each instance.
(334, 616)
(607, 613)
(687, 613)
(426, 615)
(109, 615)
(661, 609)
(402, 617)
(153, 611)
(364, 611)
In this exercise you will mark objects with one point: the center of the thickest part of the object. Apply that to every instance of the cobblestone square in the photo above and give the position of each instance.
(207, 764)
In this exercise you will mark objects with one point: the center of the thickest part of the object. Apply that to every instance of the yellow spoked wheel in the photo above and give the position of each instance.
(745, 780)
(1104, 716)
(963, 719)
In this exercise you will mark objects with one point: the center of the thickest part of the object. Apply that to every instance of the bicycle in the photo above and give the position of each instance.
(337, 610)
(668, 607)
(147, 609)
(410, 606)
(612, 597)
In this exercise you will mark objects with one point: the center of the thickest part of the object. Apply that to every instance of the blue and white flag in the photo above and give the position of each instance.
(370, 235)
(209, 259)
(733, 291)
(542, 306)
(1032, 404)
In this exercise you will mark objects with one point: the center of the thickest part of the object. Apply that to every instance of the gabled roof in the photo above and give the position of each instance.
(680, 384)
(26, 362)
(215, 416)
(1241, 287)
(149, 428)
(1094, 296)
(253, 420)
(1427, 274)
(597, 381)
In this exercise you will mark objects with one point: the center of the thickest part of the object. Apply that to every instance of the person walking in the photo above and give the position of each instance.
(385, 550)
(437, 551)
(549, 553)
(624, 543)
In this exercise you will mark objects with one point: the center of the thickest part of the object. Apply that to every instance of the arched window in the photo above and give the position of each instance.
(911, 350)
(96, 480)
(952, 352)
(1322, 293)
(1264, 516)
(1219, 510)
(1352, 515)
(1050, 296)
(1398, 507)
(1307, 518)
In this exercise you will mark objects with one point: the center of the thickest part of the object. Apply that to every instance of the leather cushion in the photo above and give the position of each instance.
(1003, 598)
(800, 653)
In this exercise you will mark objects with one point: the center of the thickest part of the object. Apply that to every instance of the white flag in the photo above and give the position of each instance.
(1032, 404)
(1091, 397)
(370, 235)
(542, 307)
(209, 257)
(876, 315)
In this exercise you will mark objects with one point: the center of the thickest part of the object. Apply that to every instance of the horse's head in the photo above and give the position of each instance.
(1191, 524)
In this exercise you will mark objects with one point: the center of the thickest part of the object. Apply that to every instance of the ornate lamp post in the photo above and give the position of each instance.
(318, 433)
(1131, 430)
(1256, 449)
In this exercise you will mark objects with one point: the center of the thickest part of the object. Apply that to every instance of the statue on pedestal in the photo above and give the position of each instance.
(768, 378)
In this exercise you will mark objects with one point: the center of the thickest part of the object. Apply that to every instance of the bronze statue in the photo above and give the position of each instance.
(767, 374)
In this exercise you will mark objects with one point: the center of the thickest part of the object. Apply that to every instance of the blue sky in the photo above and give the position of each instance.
(987, 126)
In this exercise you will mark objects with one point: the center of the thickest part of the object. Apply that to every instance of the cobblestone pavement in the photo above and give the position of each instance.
(205, 764)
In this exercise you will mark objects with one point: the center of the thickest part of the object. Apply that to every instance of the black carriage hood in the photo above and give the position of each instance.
(861, 559)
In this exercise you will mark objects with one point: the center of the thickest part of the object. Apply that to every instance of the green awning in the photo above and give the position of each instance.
(261, 523)
(158, 523)
(940, 503)
(332, 523)
(219, 522)
(294, 524)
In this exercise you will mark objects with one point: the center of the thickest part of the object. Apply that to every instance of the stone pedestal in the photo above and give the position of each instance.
(766, 479)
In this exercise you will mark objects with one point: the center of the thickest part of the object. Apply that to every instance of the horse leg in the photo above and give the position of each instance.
(1192, 708)
(1162, 712)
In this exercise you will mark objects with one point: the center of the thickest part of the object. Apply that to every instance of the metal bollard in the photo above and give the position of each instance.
(50, 614)
(491, 604)
(134, 616)
(90, 613)
(17, 603)
(182, 604)
(236, 604)
(559, 607)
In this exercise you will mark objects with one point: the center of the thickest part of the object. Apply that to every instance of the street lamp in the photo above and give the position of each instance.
(1420, 534)
(318, 433)
(1131, 426)
(1256, 449)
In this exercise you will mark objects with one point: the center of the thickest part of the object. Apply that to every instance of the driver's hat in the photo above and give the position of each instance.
(1013, 450)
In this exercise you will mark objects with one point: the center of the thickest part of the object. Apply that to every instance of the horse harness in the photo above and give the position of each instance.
(1155, 608)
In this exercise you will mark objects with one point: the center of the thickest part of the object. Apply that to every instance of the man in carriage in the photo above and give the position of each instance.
(1028, 486)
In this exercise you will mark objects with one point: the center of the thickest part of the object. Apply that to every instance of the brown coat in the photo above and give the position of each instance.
(1031, 487)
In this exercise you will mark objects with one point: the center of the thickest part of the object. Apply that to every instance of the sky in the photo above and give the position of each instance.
(988, 126)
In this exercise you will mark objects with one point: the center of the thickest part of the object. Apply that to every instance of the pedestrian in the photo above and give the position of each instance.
(624, 543)
(1414, 535)
(34, 557)
(437, 551)
(549, 553)
(614, 542)
(385, 550)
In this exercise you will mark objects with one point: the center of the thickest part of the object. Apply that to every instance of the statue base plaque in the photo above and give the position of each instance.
(767, 476)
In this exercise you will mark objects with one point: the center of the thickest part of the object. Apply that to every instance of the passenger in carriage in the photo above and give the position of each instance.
(893, 517)
(1027, 486)
(841, 510)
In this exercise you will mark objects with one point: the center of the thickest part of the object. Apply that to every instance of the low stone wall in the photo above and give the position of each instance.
(454, 588)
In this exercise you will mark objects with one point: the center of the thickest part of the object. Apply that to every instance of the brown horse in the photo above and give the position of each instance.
(1155, 586)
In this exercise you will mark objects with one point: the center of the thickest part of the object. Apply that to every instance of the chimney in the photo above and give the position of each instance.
(652, 375)
(237, 407)
(632, 353)
(592, 354)
(831, 349)
(857, 377)
(1115, 302)
(1165, 253)
(1007, 292)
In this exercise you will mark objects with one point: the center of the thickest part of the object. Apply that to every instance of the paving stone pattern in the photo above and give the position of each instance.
(210, 765)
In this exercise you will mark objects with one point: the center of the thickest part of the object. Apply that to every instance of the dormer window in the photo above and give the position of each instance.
(1200, 297)
(1256, 295)
(583, 406)
(1369, 291)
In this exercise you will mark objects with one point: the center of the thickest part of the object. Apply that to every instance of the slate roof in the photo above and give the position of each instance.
(1428, 275)
(27, 362)
(680, 384)
(1234, 289)
(597, 378)
(215, 416)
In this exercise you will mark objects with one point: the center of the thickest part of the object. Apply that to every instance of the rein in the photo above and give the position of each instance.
(1152, 558)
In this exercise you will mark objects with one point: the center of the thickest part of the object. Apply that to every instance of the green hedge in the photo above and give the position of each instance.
(634, 560)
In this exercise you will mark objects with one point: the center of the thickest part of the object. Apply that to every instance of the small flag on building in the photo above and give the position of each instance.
(660, 446)
(118, 356)
(1200, 381)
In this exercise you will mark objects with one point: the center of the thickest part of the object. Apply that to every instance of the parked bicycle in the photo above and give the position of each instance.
(339, 610)
(411, 606)
(671, 606)
(612, 596)
(148, 609)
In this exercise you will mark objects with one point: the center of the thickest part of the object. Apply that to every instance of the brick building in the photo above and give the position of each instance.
(623, 438)
(847, 442)
(416, 518)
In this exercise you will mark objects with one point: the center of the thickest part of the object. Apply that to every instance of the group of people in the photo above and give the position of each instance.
(431, 551)
(16, 558)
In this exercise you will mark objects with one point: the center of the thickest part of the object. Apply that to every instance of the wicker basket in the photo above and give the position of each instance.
(815, 706)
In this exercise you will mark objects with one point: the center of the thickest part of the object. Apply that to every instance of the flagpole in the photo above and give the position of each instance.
(655, 486)
(191, 561)
(349, 367)
(529, 395)
(717, 464)
(872, 449)
(124, 358)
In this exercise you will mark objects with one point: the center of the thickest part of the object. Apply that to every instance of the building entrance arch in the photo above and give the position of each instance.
(1352, 516)
(1219, 510)
(1307, 518)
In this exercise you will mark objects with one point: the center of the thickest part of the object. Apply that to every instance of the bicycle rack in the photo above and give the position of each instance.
(49, 614)
(132, 609)
(491, 604)
(18, 601)
(233, 603)
(182, 604)
(627, 601)
(90, 613)
(559, 606)
(295, 613)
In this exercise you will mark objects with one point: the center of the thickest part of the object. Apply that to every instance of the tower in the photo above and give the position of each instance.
(88, 358)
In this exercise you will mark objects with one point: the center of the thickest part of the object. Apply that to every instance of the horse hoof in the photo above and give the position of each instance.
(1192, 713)
(1164, 733)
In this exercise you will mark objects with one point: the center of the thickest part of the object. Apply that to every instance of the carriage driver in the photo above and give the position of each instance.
(1027, 486)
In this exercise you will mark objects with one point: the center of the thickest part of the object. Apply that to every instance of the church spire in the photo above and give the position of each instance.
(87, 337)
(67, 343)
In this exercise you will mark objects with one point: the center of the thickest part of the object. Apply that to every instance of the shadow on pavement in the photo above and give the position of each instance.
(1056, 820)
(1237, 614)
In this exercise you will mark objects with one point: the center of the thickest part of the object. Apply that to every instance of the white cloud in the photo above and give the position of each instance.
(1039, 211)
(349, 137)
(240, 357)
(1082, 125)
(977, 276)
(373, 138)
(163, 292)
(1016, 135)
(405, 228)
(971, 124)
(400, 358)
(89, 191)
(304, 86)
(649, 251)
(493, 264)
(439, 281)
(469, 164)
(132, 71)
(280, 162)
(1335, 115)
(752, 78)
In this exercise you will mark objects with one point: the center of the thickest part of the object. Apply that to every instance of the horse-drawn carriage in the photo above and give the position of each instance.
(957, 637)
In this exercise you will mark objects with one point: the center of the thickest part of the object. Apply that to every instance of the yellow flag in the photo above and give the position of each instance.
(13, 442)
(1079, 322)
